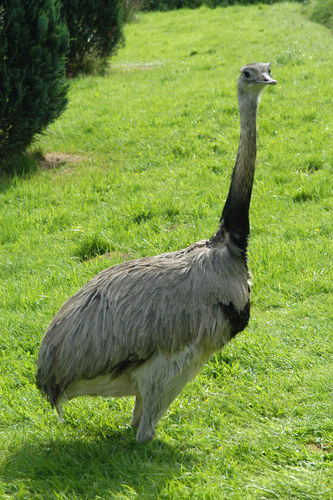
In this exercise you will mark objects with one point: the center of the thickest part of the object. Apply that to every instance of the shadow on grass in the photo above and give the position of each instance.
(25, 165)
(101, 467)
(18, 165)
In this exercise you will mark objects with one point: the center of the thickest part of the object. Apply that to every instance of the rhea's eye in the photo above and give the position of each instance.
(247, 74)
(269, 71)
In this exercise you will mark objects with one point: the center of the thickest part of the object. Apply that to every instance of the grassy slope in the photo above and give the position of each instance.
(156, 141)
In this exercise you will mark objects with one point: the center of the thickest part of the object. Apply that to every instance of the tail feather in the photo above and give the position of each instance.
(53, 392)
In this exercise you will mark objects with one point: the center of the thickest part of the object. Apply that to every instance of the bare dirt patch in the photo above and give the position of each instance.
(54, 160)
(319, 447)
(124, 256)
(139, 66)
(114, 255)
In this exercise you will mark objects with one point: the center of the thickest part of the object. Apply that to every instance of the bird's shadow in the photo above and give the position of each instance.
(106, 465)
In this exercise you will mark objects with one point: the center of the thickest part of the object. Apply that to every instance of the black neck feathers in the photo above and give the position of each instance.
(235, 215)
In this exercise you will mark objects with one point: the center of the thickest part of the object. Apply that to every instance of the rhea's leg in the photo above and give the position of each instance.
(155, 404)
(160, 382)
(60, 413)
(137, 412)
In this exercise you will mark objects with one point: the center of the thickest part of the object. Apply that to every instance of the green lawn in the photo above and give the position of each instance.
(140, 164)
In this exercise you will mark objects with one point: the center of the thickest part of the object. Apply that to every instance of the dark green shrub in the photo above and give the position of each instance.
(33, 45)
(192, 4)
(130, 9)
(322, 12)
(165, 5)
(95, 28)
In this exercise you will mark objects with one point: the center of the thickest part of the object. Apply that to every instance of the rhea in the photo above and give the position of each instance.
(145, 328)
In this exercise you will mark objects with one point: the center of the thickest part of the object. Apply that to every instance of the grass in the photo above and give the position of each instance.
(139, 164)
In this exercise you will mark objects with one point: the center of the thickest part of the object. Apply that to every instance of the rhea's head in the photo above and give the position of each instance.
(253, 79)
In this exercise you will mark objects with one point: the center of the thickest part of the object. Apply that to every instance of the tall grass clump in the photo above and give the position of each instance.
(33, 47)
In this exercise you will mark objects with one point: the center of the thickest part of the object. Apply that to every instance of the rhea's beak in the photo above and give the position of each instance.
(268, 80)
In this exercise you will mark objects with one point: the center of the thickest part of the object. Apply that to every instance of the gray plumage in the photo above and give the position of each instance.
(146, 327)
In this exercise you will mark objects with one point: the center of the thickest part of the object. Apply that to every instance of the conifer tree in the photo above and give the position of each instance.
(95, 28)
(33, 46)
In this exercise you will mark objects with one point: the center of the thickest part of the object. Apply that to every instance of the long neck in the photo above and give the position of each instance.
(235, 215)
